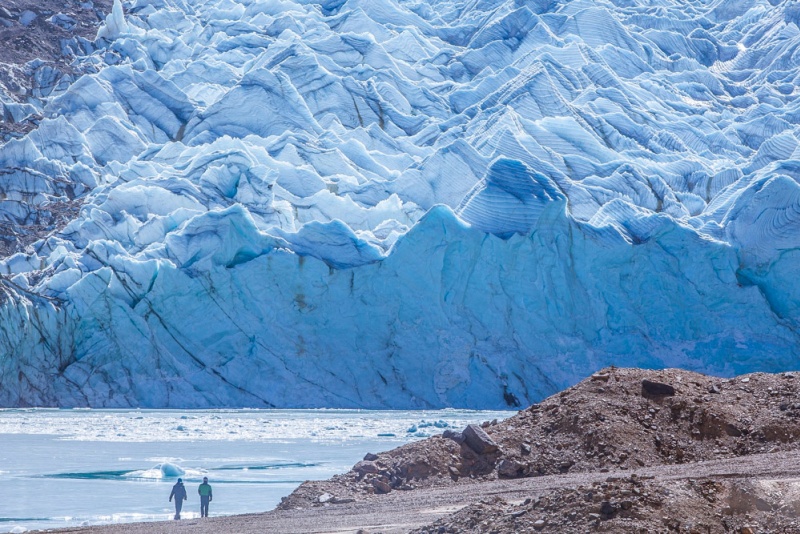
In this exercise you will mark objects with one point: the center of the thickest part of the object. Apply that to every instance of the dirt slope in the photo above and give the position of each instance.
(615, 422)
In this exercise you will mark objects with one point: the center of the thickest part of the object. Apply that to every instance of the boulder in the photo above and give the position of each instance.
(509, 468)
(458, 437)
(365, 467)
(657, 389)
(381, 486)
(607, 510)
(415, 468)
(478, 440)
(370, 457)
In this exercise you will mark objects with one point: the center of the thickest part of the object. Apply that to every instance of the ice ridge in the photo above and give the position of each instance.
(392, 203)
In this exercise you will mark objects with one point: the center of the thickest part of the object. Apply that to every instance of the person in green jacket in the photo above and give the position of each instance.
(205, 497)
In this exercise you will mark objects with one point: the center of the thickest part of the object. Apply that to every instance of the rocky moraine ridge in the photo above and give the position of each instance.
(619, 422)
(45, 46)
(40, 42)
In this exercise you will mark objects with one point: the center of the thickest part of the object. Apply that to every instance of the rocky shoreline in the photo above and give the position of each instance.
(615, 422)
(626, 450)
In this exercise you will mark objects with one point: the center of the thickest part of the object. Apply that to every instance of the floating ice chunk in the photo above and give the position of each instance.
(160, 471)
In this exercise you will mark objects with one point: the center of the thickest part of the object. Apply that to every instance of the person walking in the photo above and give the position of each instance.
(205, 496)
(179, 492)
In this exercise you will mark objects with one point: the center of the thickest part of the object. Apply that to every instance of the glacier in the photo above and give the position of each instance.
(403, 204)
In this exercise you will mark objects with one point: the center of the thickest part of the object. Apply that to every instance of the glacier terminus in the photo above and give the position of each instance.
(402, 203)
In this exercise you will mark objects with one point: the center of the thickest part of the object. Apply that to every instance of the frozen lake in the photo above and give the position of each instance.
(62, 468)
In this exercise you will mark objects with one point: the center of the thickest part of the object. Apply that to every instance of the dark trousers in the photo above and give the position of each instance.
(178, 506)
(204, 505)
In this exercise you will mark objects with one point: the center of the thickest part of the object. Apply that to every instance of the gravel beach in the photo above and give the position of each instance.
(404, 511)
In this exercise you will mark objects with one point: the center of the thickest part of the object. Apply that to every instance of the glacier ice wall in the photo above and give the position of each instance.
(393, 203)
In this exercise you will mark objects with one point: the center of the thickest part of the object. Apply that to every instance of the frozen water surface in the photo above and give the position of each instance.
(65, 467)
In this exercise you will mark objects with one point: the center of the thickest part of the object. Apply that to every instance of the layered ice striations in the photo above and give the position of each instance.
(390, 203)
(509, 199)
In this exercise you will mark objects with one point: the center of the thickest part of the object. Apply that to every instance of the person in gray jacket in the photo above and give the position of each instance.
(179, 492)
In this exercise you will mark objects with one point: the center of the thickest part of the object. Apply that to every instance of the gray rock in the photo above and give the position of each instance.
(369, 457)
(478, 440)
(6, 14)
(458, 437)
(509, 468)
(657, 389)
(365, 467)
(539, 524)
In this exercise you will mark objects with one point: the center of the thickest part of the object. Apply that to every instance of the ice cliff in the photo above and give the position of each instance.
(401, 203)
